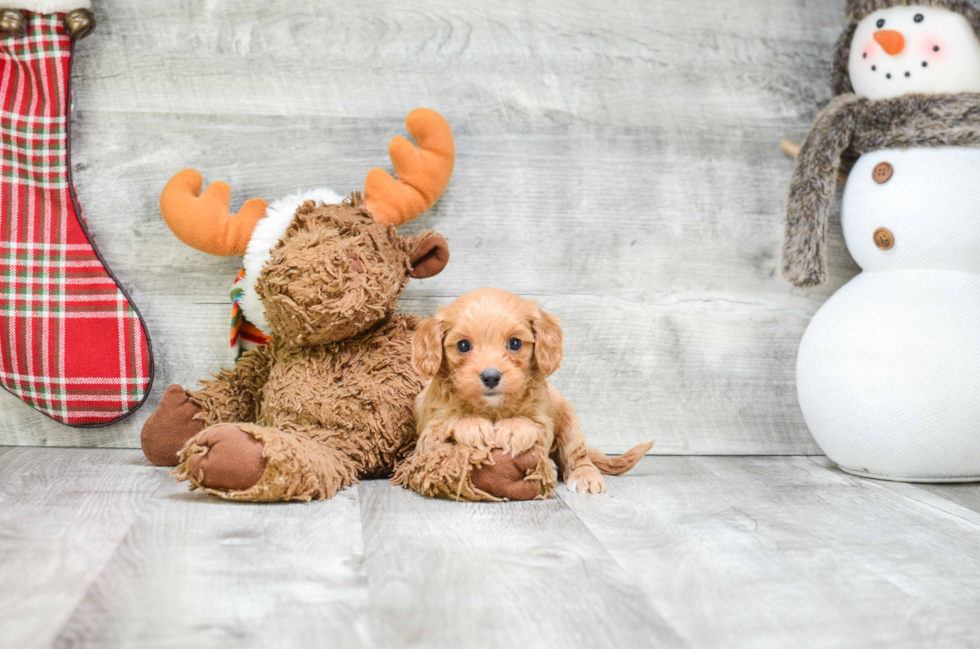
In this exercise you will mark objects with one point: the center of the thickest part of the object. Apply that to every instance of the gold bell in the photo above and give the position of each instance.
(12, 22)
(79, 23)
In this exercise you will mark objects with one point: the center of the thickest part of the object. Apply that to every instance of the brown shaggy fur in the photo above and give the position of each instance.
(330, 399)
(858, 9)
(521, 412)
(335, 273)
(845, 130)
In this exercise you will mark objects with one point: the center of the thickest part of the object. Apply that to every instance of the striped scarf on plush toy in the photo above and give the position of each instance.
(244, 334)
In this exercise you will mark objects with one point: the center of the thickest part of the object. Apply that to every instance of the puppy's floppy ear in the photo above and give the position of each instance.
(427, 347)
(547, 340)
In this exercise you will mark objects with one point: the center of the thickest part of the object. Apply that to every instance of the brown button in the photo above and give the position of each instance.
(884, 239)
(882, 172)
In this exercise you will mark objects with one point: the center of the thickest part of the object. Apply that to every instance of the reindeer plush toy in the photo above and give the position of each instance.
(328, 399)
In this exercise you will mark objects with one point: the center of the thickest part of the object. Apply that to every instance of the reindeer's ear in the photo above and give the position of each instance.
(547, 340)
(427, 347)
(430, 257)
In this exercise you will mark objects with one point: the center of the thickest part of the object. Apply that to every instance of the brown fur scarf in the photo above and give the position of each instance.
(846, 129)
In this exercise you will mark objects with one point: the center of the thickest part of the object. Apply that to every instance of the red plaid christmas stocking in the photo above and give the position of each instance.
(72, 345)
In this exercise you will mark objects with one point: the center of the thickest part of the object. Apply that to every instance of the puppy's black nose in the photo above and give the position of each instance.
(490, 378)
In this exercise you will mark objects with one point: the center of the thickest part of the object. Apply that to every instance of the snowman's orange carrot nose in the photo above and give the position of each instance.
(891, 41)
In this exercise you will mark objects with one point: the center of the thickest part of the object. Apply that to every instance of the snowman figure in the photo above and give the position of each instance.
(888, 372)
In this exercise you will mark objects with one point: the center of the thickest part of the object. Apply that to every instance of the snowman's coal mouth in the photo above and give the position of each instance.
(907, 74)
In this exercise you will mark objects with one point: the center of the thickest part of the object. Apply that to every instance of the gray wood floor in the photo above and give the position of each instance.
(99, 549)
(617, 160)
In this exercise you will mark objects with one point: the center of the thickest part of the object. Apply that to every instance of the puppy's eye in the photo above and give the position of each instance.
(881, 23)
(463, 346)
(919, 18)
(514, 344)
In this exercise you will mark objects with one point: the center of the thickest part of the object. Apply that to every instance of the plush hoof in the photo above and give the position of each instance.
(170, 426)
(79, 23)
(505, 477)
(12, 22)
(231, 459)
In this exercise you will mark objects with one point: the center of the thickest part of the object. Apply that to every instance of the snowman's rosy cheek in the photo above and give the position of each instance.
(931, 49)
(870, 50)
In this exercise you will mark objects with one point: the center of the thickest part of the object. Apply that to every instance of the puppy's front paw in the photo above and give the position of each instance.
(516, 435)
(475, 432)
(586, 480)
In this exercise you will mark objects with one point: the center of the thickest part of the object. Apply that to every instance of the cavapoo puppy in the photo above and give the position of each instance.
(486, 358)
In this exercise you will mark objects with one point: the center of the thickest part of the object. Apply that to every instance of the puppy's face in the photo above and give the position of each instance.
(488, 346)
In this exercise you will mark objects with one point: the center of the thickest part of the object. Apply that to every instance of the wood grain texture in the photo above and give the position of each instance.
(957, 499)
(63, 513)
(446, 574)
(965, 495)
(620, 162)
(100, 549)
(194, 571)
(776, 552)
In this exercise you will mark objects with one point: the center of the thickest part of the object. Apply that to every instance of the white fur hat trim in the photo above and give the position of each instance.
(48, 6)
(266, 235)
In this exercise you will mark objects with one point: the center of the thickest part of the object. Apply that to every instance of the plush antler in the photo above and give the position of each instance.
(204, 220)
(423, 172)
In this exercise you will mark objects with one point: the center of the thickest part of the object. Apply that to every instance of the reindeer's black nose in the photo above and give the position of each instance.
(490, 378)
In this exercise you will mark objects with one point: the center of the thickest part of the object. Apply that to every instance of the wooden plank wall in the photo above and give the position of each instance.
(617, 161)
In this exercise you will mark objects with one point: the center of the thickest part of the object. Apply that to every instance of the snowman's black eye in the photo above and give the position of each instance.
(919, 18)
(881, 23)
(935, 48)
(514, 344)
(463, 346)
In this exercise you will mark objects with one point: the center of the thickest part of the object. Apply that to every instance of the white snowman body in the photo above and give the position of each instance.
(888, 372)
